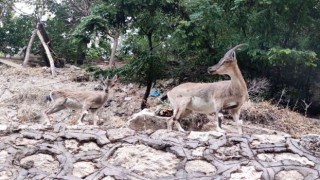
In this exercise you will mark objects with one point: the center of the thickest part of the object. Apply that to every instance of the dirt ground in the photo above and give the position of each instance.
(23, 99)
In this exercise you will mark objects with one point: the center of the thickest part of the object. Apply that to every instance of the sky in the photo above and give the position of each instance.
(23, 8)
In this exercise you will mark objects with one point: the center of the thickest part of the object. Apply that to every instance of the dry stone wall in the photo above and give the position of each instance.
(37, 152)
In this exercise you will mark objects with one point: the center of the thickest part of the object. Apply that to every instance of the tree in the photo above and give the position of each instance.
(14, 33)
(152, 22)
(105, 20)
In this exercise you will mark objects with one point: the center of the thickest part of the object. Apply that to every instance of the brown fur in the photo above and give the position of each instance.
(84, 100)
(211, 98)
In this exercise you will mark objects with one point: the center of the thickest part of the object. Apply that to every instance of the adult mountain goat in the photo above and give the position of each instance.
(212, 98)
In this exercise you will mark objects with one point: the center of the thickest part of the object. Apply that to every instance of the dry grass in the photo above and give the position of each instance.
(269, 116)
(26, 90)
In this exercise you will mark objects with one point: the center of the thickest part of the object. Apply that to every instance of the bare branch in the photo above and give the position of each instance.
(306, 107)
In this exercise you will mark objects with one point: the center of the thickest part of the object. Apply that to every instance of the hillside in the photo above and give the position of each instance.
(275, 143)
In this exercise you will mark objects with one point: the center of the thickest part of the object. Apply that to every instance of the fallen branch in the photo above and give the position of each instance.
(53, 72)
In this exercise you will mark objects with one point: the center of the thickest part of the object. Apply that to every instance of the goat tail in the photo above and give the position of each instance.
(164, 97)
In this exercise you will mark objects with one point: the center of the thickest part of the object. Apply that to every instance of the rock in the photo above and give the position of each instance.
(204, 136)
(3, 127)
(6, 94)
(71, 145)
(89, 146)
(264, 139)
(180, 152)
(86, 152)
(284, 156)
(145, 161)
(3, 156)
(108, 178)
(115, 134)
(289, 175)
(246, 172)
(307, 137)
(127, 98)
(164, 134)
(42, 162)
(198, 152)
(82, 169)
(86, 135)
(25, 142)
(227, 153)
(6, 175)
(200, 166)
(73, 67)
(146, 119)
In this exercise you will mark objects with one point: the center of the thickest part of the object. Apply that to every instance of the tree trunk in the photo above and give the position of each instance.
(81, 53)
(114, 49)
(146, 94)
(48, 53)
(46, 39)
(149, 77)
(27, 55)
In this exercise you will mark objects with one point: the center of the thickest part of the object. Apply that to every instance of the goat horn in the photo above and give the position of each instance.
(233, 49)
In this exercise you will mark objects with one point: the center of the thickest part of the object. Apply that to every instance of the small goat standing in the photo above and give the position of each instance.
(85, 100)
(211, 98)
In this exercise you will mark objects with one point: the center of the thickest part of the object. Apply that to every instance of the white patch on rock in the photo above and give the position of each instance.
(82, 169)
(284, 156)
(204, 136)
(115, 134)
(264, 139)
(289, 175)
(200, 166)
(71, 145)
(108, 178)
(3, 156)
(165, 134)
(6, 94)
(42, 162)
(3, 127)
(89, 146)
(25, 142)
(246, 172)
(198, 152)
(145, 161)
(146, 120)
(6, 175)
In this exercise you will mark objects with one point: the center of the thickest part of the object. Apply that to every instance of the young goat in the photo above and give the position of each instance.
(84, 100)
(211, 98)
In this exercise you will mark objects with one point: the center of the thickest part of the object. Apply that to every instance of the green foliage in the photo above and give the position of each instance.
(97, 72)
(282, 36)
(15, 33)
(59, 29)
(284, 57)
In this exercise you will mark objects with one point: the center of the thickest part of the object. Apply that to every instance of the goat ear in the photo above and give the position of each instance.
(233, 56)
